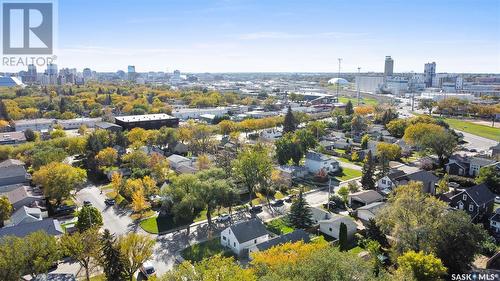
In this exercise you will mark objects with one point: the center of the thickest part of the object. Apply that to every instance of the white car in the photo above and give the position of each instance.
(497, 199)
(223, 218)
(147, 269)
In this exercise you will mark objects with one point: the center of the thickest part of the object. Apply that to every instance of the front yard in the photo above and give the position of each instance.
(348, 174)
(199, 251)
(159, 224)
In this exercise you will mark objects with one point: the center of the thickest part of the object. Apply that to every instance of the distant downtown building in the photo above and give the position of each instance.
(429, 74)
(147, 121)
(389, 66)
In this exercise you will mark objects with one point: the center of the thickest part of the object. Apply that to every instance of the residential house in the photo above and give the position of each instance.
(12, 138)
(244, 235)
(368, 212)
(495, 223)
(50, 226)
(331, 226)
(12, 171)
(26, 215)
(406, 149)
(316, 162)
(495, 151)
(476, 163)
(477, 201)
(181, 164)
(342, 144)
(20, 195)
(272, 133)
(292, 237)
(327, 145)
(396, 178)
(318, 215)
(363, 198)
(289, 173)
(466, 166)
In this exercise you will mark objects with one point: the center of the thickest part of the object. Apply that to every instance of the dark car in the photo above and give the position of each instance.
(256, 209)
(277, 203)
(87, 203)
(64, 210)
(330, 205)
(109, 201)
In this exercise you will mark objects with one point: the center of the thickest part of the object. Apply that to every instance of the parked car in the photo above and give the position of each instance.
(277, 203)
(330, 205)
(109, 201)
(256, 209)
(147, 269)
(497, 199)
(223, 218)
(64, 210)
(87, 203)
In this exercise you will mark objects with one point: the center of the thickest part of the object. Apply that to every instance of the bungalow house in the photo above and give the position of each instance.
(476, 163)
(495, 223)
(331, 227)
(327, 145)
(477, 201)
(396, 178)
(363, 198)
(50, 226)
(12, 171)
(20, 195)
(244, 235)
(26, 215)
(365, 213)
(181, 164)
(292, 237)
(316, 162)
(342, 144)
(318, 215)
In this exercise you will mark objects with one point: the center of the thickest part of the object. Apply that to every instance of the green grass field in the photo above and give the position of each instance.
(157, 225)
(206, 249)
(279, 226)
(475, 129)
(348, 174)
(366, 101)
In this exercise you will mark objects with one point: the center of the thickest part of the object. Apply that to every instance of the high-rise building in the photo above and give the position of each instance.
(389, 66)
(51, 74)
(132, 75)
(176, 77)
(429, 74)
(31, 74)
(87, 74)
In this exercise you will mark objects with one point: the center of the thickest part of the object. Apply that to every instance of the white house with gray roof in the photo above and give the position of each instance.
(244, 235)
(316, 162)
(331, 226)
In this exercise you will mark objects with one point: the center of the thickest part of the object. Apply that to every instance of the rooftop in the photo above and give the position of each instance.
(248, 230)
(295, 236)
(145, 117)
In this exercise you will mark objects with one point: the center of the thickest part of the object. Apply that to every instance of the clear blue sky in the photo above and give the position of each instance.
(294, 36)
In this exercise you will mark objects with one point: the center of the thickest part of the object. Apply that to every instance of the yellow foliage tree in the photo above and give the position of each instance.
(139, 203)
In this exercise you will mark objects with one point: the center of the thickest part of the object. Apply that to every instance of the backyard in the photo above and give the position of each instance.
(348, 174)
(160, 224)
(279, 226)
(199, 251)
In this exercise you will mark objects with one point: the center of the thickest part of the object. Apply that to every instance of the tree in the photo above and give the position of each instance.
(343, 237)
(46, 155)
(289, 124)
(427, 104)
(432, 138)
(373, 232)
(287, 147)
(343, 193)
(83, 247)
(160, 167)
(107, 157)
(300, 213)
(111, 259)
(39, 253)
(116, 182)
(397, 127)
(214, 268)
(29, 135)
(59, 179)
(352, 186)
(253, 166)
(138, 201)
(203, 162)
(135, 250)
(317, 128)
(367, 180)
(358, 124)
(490, 176)
(424, 267)
(88, 217)
(12, 258)
(442, 186)
(5, 209)
(364, 141)
(349, 110)
(387, 152)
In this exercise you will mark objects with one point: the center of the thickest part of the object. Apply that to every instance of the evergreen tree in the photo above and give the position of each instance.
(348, 108)
(63, 105)
(367, 180)
(29, 135)
(374, 232)
(343, 237)
(111, 259)
(70, 92)
(290, 124)
(300, 213)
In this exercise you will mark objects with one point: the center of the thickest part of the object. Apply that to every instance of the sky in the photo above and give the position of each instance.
(279, 36)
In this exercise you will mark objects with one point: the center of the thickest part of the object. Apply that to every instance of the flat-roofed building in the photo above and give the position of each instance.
(41, 124)
(147, 121)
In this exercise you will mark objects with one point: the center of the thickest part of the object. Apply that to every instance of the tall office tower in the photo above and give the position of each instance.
(87, 74)
(176, 77)
(389, 66)
(131, 72)
(31, 74)
(429, 74)
(51, 73)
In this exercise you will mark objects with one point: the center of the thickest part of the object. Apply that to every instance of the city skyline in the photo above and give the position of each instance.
(257, 36)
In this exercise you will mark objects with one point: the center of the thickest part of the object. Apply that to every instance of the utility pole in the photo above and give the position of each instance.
(357, 82)
(338, 81)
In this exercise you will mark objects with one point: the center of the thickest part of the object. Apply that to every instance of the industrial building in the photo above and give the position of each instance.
(147, 121)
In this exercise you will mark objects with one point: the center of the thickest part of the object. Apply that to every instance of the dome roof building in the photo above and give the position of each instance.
(338, 81)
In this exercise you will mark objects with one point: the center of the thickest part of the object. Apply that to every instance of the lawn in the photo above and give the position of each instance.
(348, 174)
(198, 252)
(356, 250)
(345, 160)
(279, 226)
(475, 129)
(367, 101)
(160, 224)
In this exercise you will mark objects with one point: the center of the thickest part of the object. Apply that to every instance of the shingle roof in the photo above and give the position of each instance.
(248, 230)
(295, 236)
(480, 193)
(372, 207)
(317, 156)
(423, 176)
(11, 162)
(50, 226)
(495, 217)
(55, 277)
(481, 161)
(11, 168)
(393, 174)
(337, 219)
(367, 196)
